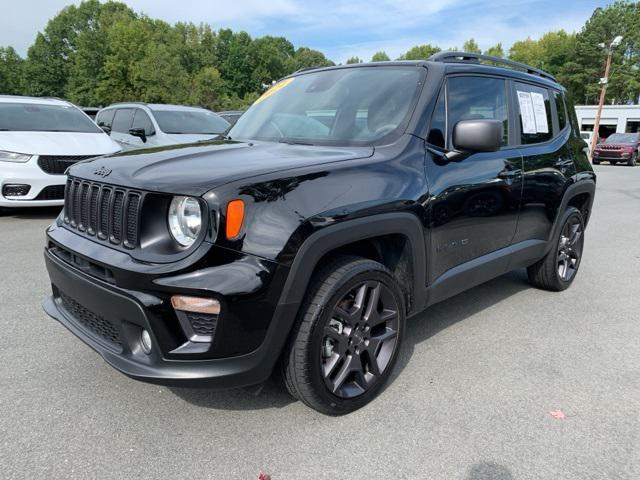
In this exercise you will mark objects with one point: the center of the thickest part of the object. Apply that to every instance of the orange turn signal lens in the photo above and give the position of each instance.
(195, 304)
(235, 216)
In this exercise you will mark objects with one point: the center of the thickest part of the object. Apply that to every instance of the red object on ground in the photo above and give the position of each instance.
(559, 414)
(264, 476)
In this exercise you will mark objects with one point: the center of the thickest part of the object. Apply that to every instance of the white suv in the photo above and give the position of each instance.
(136, 125)
(39, 139)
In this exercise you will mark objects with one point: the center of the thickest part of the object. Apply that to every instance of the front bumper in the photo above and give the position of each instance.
(31, 174)
(79, 299)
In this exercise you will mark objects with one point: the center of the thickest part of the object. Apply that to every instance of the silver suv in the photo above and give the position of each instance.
(135, 125)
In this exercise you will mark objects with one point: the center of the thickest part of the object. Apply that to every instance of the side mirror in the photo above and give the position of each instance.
(106, 129)
(138, 132)
(470, 136)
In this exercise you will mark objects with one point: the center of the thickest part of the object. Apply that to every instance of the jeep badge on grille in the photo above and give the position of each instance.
(102, 172)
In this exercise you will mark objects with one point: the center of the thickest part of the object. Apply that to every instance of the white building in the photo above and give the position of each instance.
(614, 119)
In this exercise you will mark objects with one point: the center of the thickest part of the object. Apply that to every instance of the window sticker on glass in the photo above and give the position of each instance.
(526, 112)
(278, 86)
(539, 112)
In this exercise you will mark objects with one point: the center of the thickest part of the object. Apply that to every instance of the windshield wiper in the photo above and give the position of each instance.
(291, 141)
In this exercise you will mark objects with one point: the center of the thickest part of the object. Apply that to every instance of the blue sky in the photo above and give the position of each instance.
(339, 28)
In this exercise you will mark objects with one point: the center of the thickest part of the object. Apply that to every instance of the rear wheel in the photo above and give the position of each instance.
(348, 337)
(557, 270)
(613, 162)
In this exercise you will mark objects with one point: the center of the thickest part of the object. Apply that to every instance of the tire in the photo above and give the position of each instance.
(557, 270)
(340, 355)
(633, 160)
(596, 162)
(613, 162)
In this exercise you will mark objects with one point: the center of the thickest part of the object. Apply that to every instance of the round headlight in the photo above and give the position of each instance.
(185, 220)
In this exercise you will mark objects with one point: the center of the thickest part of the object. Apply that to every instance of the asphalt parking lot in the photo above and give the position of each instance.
(471, 397)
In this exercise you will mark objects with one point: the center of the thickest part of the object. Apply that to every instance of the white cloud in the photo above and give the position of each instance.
(340, 28)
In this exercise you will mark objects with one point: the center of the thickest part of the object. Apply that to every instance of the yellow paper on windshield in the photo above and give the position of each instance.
(278, 86)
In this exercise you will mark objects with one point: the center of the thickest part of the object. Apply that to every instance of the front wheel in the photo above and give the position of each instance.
(557, 270)
(348, 337)
(633, 160)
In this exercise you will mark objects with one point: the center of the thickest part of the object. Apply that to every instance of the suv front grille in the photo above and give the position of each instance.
(91, 321)
(109, 213)
(56, 165)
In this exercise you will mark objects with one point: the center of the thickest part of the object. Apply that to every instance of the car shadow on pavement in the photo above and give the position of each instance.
(488, 471)
(456, 309)
(272, 395)
(31, 213)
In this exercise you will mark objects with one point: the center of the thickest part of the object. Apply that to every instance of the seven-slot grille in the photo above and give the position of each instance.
(106, 212)
(57, 164)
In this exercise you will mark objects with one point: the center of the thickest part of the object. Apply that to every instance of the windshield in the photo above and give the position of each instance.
(196, 122)
(622, 138)
(350, 106)
(34, 117)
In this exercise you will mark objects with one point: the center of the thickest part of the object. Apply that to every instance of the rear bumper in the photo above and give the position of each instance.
(125, 313)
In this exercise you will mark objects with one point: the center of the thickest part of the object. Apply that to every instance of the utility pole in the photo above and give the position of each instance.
(604, 81)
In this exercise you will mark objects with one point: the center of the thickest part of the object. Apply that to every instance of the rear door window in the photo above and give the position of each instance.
(122, 120)
(534, 109)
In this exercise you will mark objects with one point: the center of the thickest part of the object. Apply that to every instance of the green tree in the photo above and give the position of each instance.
(50, 57)
(306, 58)
(272, 58)
(471, 46)
(353, 60)
(419, 52)
(85, 66)
(495, 51)
(235, 58)
(582, 71)
(380, 57)
(11, 72)
(208, 89)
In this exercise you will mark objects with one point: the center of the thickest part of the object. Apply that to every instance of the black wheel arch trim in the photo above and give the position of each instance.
(330, 238)
(582, 186)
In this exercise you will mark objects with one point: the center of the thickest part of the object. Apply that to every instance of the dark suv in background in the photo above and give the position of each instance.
(618, 148)
(345, 200)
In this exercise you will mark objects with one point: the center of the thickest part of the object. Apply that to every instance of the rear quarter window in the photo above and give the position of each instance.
(561, 108)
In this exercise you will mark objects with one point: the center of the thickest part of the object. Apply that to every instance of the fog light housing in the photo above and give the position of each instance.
(15, 190)
(145, 341)
(198, 317)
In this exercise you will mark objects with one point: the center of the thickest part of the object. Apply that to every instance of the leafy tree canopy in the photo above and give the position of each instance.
(380, 57)
(97, 53)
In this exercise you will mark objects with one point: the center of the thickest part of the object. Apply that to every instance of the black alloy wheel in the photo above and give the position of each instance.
(570, 248)
(558, 268)
(348, 336)
(359, 339)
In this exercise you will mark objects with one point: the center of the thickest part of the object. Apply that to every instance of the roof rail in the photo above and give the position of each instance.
(463, 57)
(304, 69)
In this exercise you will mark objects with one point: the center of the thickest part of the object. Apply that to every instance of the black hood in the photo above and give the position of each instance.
(196, 168)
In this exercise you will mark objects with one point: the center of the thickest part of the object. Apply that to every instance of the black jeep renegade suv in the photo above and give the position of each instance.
(345, 200)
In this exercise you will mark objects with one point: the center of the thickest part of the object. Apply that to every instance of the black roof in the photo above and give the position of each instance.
(463, 62)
